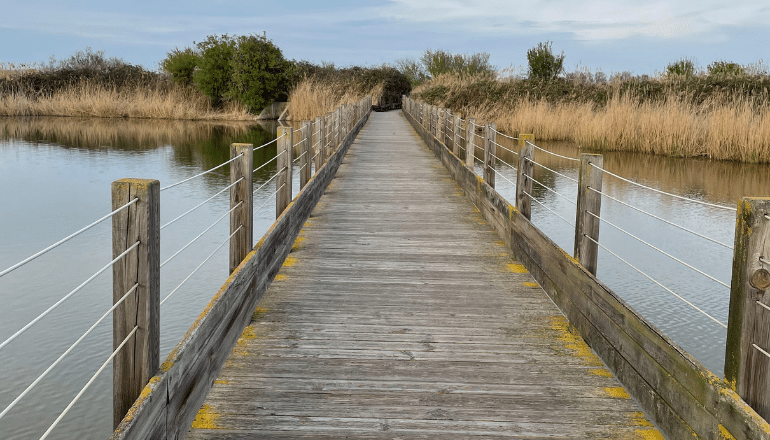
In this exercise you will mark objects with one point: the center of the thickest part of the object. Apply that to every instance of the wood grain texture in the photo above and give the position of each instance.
(168, 404)
(284, 166)
(490, 151)
(401, 314)
(681, 396)
(139, 359)
(588, 201)
(242, 217)
(524, 177)
(746, 368)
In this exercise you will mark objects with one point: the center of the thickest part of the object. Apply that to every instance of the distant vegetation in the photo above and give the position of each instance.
(722, 112)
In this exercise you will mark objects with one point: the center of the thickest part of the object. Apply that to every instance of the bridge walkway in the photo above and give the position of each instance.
(400, 314)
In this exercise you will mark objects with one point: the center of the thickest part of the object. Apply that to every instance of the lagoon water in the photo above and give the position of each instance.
(55, 176)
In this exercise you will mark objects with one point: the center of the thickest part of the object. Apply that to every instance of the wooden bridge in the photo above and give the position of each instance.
(412, 301)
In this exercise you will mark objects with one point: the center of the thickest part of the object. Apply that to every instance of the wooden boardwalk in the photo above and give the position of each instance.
(400, 314)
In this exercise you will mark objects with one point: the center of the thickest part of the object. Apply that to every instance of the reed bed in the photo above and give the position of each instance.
(94, 99)
(314, 97)
(719, 126)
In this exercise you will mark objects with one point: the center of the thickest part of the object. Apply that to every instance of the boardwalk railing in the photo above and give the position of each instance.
(168, 403)
(685, 399)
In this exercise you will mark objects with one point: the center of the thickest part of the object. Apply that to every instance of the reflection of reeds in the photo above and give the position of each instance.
(86, 98)
(313, 97)
(125, 134)
(720, 126)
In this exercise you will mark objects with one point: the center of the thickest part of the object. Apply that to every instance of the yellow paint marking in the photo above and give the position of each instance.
(517, 268)
(640, 419)
(617, 392)
(221, 382)
(531, 284)
(258, 312)
(603, 372)
(290, 261)
(280, 277)
(206, 419)
(166, 366)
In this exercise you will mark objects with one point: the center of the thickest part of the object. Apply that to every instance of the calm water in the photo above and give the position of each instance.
(55, 176)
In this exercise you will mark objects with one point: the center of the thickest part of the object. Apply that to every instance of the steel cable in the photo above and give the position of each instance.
(201, 234)
(553, 191)
(201, 174)
(531, 197)
(552, 153)
(201, 204)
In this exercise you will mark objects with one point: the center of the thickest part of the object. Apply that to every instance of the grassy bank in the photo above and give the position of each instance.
(721, 118)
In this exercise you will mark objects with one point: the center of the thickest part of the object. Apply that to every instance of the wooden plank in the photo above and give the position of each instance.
(398, 303)
(684, 398)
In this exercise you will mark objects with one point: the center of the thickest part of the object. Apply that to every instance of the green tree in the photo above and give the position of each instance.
(181, 64)
(436, 62)
(413, 70)
(724, 68)
(260, 74)
(543, 64)
(214, 73)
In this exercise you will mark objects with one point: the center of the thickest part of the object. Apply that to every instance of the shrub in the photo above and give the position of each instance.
(181, 65)
(214, 73)
(260, 74)
(543, 64)
(684, 67)
(724, 68)
(413, 70)
(440, 61)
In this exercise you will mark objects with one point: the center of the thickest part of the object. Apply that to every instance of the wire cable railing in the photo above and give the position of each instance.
(548, 188)
(534, 199)
(88, 384)
(201, 204)
(265, 164)
(658, 283)
(269, 199)
(552, 153)
(553, 171)
(661, 219)
(713, 205)
(65, 239)
(203, 173)
(66, 352)
(658, 249)
(67, 296)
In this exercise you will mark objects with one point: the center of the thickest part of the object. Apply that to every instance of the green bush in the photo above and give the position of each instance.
(543, 64)
(436, 62)
(724, 68)
(684, 67)
(260, 74)
(181, 64)
(214, 74)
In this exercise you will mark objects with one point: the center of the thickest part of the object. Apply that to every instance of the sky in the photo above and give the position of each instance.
(638, 36)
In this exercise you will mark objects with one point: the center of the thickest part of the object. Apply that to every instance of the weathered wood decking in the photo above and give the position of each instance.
(400, 313)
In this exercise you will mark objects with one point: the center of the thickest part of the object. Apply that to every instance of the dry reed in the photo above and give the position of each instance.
(720, 127)
(86, 98)
(313, 97)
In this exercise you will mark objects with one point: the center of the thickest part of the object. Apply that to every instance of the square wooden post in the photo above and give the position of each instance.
(284, 166)
(320, 157)
(524, 175)
(587, 225)
(747, 356)
(490, 151)
(241, 194)
(139, 359)
(470, 143)
(306, 152)
(456, 131)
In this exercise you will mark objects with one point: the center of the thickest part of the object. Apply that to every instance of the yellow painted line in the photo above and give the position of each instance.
(206, 419)
(531, 284)
(517, 268)
(617, 392)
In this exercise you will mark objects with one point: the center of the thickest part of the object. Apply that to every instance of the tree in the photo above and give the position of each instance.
(543, 64)
(214, 72)
(413, 70)
(684, 67)
(181, 65)
(260, 74)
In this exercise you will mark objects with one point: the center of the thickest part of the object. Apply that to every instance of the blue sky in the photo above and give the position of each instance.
(640, 36)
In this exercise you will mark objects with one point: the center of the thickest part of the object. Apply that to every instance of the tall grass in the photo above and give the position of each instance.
(91, 98)
(314, 96)
(721, 125)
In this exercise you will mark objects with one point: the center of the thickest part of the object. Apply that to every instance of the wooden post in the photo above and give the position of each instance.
(586, 225)
(320, 157)
(524, 175)
(449, 134)
(306, 150)
(241, 193)
(284, 167)
(470, 143)
(440, 130)
(747, 368)
(490, 151)
(456, 130)
(338, 128)
(139, 359)
(328, 134)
